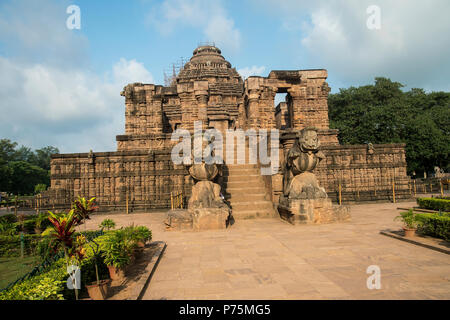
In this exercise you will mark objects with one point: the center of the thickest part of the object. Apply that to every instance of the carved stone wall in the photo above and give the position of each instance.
(363, 175)
(146, 178)
(208, 89)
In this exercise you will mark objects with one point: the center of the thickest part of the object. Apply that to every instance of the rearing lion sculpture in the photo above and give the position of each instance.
(298, 181)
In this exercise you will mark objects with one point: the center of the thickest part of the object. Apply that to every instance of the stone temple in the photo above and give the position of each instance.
(141, 173)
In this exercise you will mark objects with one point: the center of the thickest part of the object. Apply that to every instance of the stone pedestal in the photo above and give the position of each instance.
(313, 211)
(197, 219)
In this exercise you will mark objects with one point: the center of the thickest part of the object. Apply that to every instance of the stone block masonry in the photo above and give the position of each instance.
(140, 173)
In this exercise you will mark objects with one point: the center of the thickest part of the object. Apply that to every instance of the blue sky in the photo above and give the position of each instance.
(61, 87)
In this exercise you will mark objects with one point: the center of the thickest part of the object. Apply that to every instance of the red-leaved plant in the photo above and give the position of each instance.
(83, 208)
(64, 227)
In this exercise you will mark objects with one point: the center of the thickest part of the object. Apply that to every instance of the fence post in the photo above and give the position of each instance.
(171, 200)
(415, 190)
(126, 201)
(340, 194)
(393, 190)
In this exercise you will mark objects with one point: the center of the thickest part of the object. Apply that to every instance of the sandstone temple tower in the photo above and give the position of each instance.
(209, 89)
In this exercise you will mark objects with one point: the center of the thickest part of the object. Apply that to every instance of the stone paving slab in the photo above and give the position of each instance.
(269, 259)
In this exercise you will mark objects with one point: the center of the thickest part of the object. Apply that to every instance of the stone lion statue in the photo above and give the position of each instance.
(205, 193)
(298, 181)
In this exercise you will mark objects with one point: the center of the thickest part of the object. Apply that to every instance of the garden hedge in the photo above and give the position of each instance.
(434, 204)
(435, 224)
(10, 245)
(52, 284)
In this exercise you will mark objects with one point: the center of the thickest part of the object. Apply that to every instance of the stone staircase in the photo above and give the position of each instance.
(246, 192)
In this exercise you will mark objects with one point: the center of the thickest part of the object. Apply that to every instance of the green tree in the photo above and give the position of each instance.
(25, 177)
(42, 157)
(21, 169)
(383, 113)
(7, 150)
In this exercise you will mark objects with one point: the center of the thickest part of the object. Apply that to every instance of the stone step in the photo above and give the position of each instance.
(241, 172)
(247, 189)
(243, 167)
(244, 184)
(252, 214)
(251, 205)
(235, 198)
(250, 178)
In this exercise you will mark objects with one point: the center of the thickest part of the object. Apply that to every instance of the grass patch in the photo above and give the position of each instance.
(12, 268)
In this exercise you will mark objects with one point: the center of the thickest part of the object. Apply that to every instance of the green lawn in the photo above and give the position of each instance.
(15, 267)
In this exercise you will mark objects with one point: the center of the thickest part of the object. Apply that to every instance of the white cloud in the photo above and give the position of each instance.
(49, 95)
(251, 71)
(208, 15)
(35, 31)
(74, 110)
(131, 71)
(412, 45)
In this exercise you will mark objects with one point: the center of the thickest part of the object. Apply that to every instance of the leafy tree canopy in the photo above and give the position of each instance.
(22, 169)
(383, 113)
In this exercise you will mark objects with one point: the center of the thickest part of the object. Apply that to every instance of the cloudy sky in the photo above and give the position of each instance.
(61, 87)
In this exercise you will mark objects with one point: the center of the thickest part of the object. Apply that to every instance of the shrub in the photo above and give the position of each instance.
(42, 222)
(28, 225)
(435, 224)
(51, 285)
(10, 218)
(40, 187)
(46, 248)
(107, 224)
(8, 228)
(434, 204)
(10, 245)
(46, 286)
(116, 250)
(143, 234)
(408, 218)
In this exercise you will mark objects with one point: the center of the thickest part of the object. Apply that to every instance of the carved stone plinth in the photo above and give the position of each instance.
(197, 219)
(313, 211)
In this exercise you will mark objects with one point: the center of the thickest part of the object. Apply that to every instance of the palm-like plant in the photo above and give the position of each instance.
(64, 227)
(83, 208)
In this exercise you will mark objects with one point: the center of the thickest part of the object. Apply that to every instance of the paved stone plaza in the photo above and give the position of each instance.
(271, 259)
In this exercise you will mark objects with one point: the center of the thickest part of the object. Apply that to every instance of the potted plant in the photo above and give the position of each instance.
(97, 290)
(116, 255)
(143, 234)
(410, 222)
